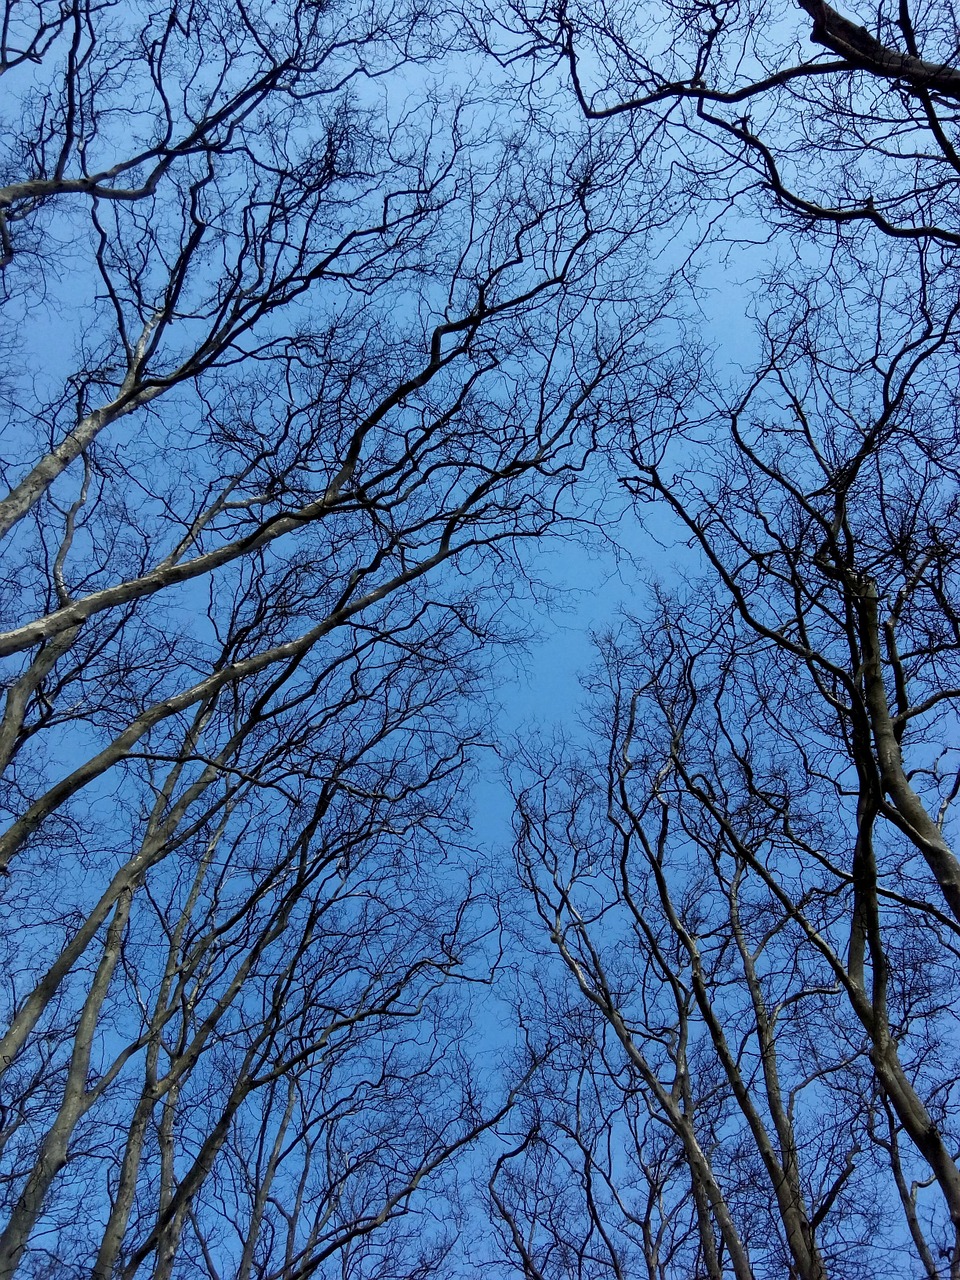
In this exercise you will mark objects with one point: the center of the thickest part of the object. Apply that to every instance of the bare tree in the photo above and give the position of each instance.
(329, 342)
(751, 884)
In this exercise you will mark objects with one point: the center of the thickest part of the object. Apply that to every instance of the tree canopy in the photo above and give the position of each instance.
(323, 324)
